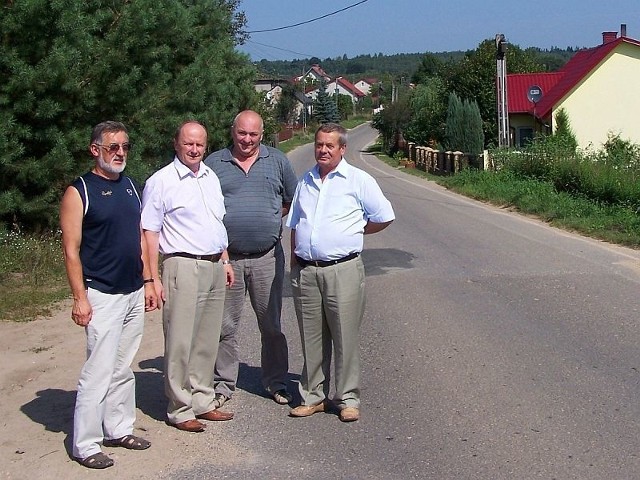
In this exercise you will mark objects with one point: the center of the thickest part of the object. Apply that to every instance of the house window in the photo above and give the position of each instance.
(524, 136)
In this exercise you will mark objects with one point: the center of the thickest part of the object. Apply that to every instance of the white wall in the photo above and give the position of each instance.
(607, 100)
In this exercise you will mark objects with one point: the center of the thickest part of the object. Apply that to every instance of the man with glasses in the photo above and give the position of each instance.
(105, 257)
(182, 212)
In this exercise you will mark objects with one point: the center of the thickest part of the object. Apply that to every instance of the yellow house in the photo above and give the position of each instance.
(598, 88)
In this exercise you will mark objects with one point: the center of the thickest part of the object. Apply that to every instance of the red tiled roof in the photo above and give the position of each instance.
(581, 64)
(556, 85)
(319, 71)
(350, 86)
(518, 85)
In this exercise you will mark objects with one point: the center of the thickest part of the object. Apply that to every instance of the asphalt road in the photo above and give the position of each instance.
(493, 346)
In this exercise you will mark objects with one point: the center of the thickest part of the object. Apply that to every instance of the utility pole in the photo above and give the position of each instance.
(501, 91)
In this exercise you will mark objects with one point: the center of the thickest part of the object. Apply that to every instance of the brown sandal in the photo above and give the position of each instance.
(96, 461)
(128, 441)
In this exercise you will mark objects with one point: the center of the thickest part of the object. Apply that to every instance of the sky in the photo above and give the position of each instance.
(419, 26)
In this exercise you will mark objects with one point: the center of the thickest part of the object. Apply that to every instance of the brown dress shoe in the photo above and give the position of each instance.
(215, 416)
(307, 410)
(349, 414)
(190, 426)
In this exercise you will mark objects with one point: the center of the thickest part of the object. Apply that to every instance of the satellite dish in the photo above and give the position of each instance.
(534, 94)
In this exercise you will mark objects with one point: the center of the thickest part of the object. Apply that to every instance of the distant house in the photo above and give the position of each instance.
(304, 107)
(314, 75)
(344, 87)
(272, 90)
(597, 88)
(268, 84)
(366, 84)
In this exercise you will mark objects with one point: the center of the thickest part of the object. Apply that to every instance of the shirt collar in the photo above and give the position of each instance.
(184, 171)
(342, 169)
(227, 154)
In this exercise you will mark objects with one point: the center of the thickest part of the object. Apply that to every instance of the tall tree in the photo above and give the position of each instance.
(428, 113)
(474, 136)
(285, 108)
(474, 77)
(454, 129)
(463, 130)
(66, 66)
(325, 109)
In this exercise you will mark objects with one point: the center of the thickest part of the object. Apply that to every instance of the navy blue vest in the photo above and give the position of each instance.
(110, 249)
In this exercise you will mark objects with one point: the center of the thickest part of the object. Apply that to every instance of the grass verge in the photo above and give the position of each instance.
(32, 275)
(610, 223)
(303, 137)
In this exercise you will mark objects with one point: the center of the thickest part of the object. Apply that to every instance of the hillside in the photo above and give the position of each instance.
(380, 66)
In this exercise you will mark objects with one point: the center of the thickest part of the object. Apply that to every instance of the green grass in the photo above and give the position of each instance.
(619, 224)
(302, 138)
(612, 223)
(32, 275)
(299, 138)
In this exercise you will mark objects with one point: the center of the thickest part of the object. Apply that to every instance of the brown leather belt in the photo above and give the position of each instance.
(325, 263)
(209, 258)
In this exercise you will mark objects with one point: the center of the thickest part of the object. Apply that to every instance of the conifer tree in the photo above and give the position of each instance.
(563, 135)
(325, 109)
(463, 129)
(474, 135)
(66, 66)
(454, 127)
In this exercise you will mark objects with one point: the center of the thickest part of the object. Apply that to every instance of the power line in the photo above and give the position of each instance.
(308, 55)
(308, 21)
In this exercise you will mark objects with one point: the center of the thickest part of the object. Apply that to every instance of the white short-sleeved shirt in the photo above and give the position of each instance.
(329, 217)
(186, 209)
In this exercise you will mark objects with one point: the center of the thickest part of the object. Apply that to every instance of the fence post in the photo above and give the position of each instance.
(486, 160)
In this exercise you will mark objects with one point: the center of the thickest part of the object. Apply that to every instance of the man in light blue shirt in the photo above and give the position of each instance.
(335, 204)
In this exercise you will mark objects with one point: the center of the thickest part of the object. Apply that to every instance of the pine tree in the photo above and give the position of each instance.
(66, 66)
(325, 109)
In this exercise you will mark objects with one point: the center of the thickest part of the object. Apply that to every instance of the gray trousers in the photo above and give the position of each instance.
(192, 316)
(329, 303)
(262, 277)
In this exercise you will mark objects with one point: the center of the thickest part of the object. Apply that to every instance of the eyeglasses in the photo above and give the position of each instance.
(113, 148)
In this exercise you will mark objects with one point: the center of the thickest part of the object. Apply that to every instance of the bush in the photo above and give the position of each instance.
(610, 177)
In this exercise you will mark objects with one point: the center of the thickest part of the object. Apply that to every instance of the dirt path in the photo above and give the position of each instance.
(41, 361)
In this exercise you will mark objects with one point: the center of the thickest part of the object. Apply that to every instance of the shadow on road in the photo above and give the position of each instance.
(377, 261)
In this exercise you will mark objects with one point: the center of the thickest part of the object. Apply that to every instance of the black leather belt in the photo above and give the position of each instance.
(242, 255)
(325, 263)
(209, 258)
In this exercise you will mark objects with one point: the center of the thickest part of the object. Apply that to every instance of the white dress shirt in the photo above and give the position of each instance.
(329, 216)
(187, 209)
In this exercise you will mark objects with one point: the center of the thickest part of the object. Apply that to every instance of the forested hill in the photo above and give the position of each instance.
(397, 66)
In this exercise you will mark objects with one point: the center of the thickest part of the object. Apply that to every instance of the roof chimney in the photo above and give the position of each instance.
(623, 29)
(609, 37)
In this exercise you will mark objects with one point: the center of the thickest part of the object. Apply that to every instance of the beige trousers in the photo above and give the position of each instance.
(329, 304)
(192, 317)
